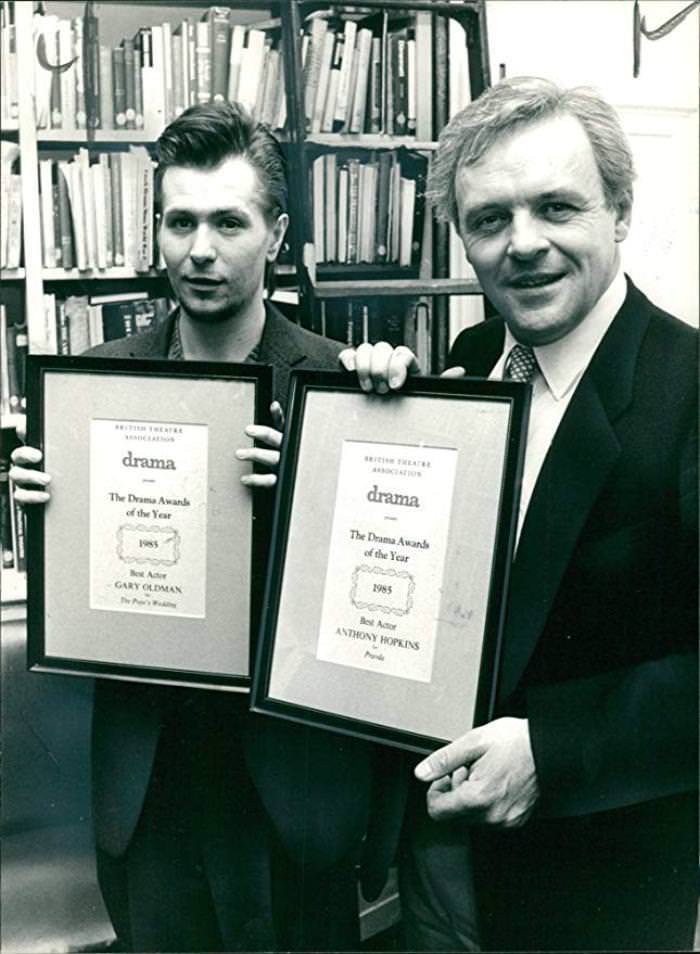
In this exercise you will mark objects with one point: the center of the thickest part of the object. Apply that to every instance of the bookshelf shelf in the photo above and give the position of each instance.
(10, 126)
(81, 137)
(12, 275)
(368, 141)
(74, 274)
(390, 288)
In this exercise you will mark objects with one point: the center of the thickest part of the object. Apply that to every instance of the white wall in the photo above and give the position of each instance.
(589, 42)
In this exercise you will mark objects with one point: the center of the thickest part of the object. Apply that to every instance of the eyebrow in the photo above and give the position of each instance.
(564, 193)
(188, 210)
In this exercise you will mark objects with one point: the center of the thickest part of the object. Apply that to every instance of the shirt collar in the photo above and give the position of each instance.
(563, 362)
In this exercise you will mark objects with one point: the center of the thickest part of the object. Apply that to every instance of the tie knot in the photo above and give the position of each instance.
(521, 364)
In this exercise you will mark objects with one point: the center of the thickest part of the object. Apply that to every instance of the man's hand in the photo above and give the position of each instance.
(272, 436)
(30, 485)
(380, 367)
(487, 775)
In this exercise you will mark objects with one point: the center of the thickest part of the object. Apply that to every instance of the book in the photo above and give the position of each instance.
(251, 69)
(318, 192)
(178, 79)
(119, 87)
(106, 91)
(342, 239)
(91, 69)
(48, 245)
(4, 370)
(330, 207)
(98, 191)
(117, 215)
(203, 61)
(376, 86)
(167, 72)
(381, 238)
(13, 255)
(106, 186)
(78, 56)
(359, 100)
(353, 209)
(312, 66)
(88, 207)
(219, 43)
(75, 312)
(344, 96)
(129, 85)
(323, 81)
(67, 75)
(238, 37)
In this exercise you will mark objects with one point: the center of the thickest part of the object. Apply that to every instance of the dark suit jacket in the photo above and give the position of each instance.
(319, 789)
(598, 654)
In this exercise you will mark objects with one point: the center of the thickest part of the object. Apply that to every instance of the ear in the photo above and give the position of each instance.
(277, 233)
(624, 219)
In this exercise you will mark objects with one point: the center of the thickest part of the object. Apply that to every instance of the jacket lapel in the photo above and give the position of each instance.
(281, 346)
(581, 456)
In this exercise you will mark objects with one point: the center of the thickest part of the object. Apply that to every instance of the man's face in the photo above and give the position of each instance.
(537, 230)
(214, 237)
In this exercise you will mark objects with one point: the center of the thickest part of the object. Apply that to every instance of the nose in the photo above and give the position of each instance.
(202, 249)
(527, 239)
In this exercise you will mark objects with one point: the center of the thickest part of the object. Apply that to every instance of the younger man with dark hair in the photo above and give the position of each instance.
(215, 829)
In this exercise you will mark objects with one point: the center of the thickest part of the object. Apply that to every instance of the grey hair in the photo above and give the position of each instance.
(520, 101)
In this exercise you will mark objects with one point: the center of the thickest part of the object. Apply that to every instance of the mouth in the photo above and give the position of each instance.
(202, 282)
(539, 280)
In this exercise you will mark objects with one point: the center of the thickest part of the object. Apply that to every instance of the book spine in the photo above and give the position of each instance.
(270, 109)
(46, 211)
(401, 97)
(67, 76)
(353, 209)
(88, 195)
(14, 221)
(203, 55)
(64, 215)
(75, 310)
(98, 192)
(323, 81)
(251, 69)
(115, 176)
(411, 104)
(92, 70)
(13, 393)
(185, 63)
(178, 86)
(167, 64)
(129, 85)
(262, 82)
(312, 69)
(342, 243)
(144, 212)
(55, 94)
(106, 91)
(317, 172)
(219, 18)
(119, 87)
(56, 218)
(79, 91)
(234, 63)
(382, 221)
(330, 206)
(108, 226)
(344, 88)
(62, 329)
(359, 103)
(375, 86)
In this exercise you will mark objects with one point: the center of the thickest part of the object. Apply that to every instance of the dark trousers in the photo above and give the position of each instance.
(204, 870)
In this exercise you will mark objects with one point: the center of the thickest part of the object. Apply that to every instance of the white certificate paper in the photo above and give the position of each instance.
(148, 507)
(386, 558)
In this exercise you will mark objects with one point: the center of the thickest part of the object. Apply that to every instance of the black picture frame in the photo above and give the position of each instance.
(308, 668)
(210, 532)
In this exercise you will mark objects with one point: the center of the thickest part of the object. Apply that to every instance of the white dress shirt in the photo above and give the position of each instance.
(561, 365)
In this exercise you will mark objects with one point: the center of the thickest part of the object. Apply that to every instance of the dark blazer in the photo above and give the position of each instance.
(319, 789)
(598, 654)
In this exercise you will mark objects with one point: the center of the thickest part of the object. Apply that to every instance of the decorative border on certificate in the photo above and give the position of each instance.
(166, 546)
(393, 535)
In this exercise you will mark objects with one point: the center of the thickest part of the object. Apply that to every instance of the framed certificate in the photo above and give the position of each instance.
(394, 529)
(146, 564)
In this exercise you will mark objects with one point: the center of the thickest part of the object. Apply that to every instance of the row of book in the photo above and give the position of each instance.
(97, 210)
(396, 320)
(151, 77)
(369, 209)
(12, 525)
(78, 322)
(10, 207)
(369, 75)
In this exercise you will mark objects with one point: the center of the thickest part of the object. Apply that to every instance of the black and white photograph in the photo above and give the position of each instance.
(349, 476)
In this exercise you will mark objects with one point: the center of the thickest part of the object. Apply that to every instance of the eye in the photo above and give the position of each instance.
(229, 223)
(180, 223)
(558, 211)
(488, 222)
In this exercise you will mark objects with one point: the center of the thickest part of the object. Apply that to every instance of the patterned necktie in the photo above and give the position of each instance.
(520, 365)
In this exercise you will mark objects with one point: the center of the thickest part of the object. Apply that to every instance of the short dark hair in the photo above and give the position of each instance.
(520, 101)
(206, 134)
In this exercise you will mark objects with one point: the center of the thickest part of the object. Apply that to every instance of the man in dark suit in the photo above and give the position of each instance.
(217, 829)
(578, 797)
